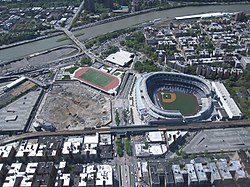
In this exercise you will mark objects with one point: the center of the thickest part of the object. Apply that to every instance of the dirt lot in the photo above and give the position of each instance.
(75, 106)
(22, 88)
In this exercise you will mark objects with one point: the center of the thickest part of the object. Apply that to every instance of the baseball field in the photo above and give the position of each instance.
(187, 104)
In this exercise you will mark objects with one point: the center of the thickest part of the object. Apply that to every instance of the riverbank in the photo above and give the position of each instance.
(94, 31)
(151, 10)
(57, 33)
(41, 53)
(32, 40)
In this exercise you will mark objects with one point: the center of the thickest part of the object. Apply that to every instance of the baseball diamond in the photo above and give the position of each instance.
(187, 104)
(167, 97)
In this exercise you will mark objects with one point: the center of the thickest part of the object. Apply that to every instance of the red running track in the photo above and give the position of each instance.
(113, 84)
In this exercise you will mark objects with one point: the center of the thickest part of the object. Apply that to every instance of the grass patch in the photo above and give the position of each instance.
(187, 104)
(71, 70)
(117, 73)
(66, 77)
(96, 78)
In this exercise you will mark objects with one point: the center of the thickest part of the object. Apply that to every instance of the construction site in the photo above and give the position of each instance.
(72, 105)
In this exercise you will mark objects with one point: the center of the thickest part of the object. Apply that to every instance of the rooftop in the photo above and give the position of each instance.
(177, 174)
(157, 136)
(14, 117)
(152, 149)
(201, 175)
(224, 171)
(191, 172)
(91, 139)
(105, 139)
(120, 58)
(228, 103)
(235, 166)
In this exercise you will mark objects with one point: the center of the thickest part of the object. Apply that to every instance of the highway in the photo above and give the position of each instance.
(131, 129)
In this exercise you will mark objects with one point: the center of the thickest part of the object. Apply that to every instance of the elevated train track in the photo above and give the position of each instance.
(131, 129)
(184, 126)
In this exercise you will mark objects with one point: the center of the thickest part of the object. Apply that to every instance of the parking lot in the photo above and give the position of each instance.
(219, 140)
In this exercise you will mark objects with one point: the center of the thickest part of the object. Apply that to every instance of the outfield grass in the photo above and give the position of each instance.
(187, 104)
(96, 78)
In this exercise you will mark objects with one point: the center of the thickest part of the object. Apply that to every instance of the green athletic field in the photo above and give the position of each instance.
(96, 78)
(187, 104)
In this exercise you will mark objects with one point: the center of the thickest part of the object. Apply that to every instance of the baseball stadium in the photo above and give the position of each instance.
(173, 96)
(97, 79)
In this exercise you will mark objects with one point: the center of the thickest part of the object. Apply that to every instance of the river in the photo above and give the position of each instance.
(45, 44)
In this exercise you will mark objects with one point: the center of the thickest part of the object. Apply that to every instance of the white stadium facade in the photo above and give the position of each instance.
(205, 92)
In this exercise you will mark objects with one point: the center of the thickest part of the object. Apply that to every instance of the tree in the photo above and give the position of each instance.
(117, 118)
(122, 43)
(104, 16)
(145, 145)
(181, 153)
(136, 41)
(119, 147)
(128, 146)
(110, 50)
(86, 61)
(192, 70)
(146, 66)
(125, 115)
